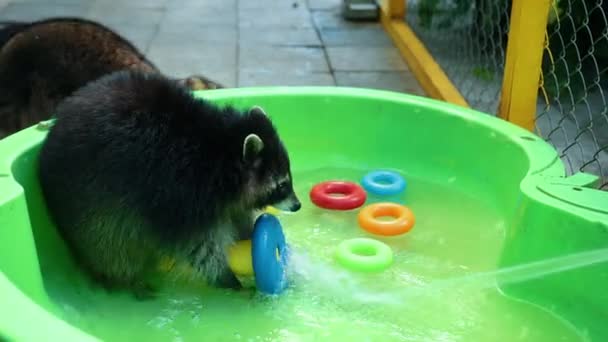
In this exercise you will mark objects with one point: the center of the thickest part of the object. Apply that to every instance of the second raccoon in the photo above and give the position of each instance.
(42, 62)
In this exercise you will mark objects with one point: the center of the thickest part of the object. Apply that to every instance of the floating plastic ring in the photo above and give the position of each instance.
(383, 183)
(364, 255)
(403, 219)
(351, 195)
(269, 255)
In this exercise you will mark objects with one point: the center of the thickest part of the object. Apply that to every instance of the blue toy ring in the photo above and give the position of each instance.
(383, 183)
(269, 255)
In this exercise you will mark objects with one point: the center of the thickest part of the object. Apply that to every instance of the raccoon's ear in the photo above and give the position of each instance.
(257, 110)
(252, 145)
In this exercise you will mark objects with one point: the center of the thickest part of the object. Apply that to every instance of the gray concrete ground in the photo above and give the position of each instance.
(244, 42)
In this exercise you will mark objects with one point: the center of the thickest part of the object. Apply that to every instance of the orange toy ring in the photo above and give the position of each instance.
(402, 223)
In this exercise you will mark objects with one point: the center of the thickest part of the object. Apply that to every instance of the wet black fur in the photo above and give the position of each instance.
(134, 168)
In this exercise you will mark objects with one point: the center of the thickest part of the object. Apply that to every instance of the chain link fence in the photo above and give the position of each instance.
(468, 38)
(572, 113)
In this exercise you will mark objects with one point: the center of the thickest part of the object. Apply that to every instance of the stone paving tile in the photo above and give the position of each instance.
(198, 35)
(200, 16)
(363, 58)
(368, 36)
(324, 4)
(387, 80)
(160, 4)
(51, 2)
(138, 35)
(33, 11)
(261, 42)
(286, 37)
(126, 4)
(132, 16)
(272, 4)
(262, 17)
(198, 5)
(282, 59)
(333, 19)
(209, 56)
(255, 78)
(215, 61)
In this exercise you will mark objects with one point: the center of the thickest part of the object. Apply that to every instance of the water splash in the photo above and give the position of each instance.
(530, 271)
(322, 278)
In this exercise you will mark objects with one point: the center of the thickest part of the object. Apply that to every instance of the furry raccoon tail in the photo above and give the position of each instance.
(10, 28)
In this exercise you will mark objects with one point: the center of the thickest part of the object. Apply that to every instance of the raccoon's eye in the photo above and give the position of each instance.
(282, 185)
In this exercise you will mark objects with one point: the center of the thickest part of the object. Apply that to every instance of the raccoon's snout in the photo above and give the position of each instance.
(296, 206)
(291, 203)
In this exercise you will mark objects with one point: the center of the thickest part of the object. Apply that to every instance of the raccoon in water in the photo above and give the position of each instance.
(136, 169)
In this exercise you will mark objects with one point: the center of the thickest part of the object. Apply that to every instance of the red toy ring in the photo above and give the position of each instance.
(353, 195)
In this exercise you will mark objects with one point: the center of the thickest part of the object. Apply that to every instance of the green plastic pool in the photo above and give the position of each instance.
(486, 195)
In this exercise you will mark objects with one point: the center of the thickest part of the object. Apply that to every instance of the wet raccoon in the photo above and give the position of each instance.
(135, 169)
(44, 61)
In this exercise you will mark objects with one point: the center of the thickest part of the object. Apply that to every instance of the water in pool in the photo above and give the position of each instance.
(327, 302)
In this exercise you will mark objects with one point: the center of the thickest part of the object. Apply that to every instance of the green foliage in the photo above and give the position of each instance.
(426, 10)
(483, 74)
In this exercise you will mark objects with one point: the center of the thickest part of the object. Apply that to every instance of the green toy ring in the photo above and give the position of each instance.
(364, 255)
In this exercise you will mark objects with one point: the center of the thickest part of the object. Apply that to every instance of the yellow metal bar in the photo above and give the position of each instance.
(396, 8)
(523, 61)
(427, 71)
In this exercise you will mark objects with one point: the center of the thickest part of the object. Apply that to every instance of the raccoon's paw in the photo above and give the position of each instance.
(197, 82)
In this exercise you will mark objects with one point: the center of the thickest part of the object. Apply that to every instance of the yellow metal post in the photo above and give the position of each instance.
(396, 8)
(523, 61)
(427, 71)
